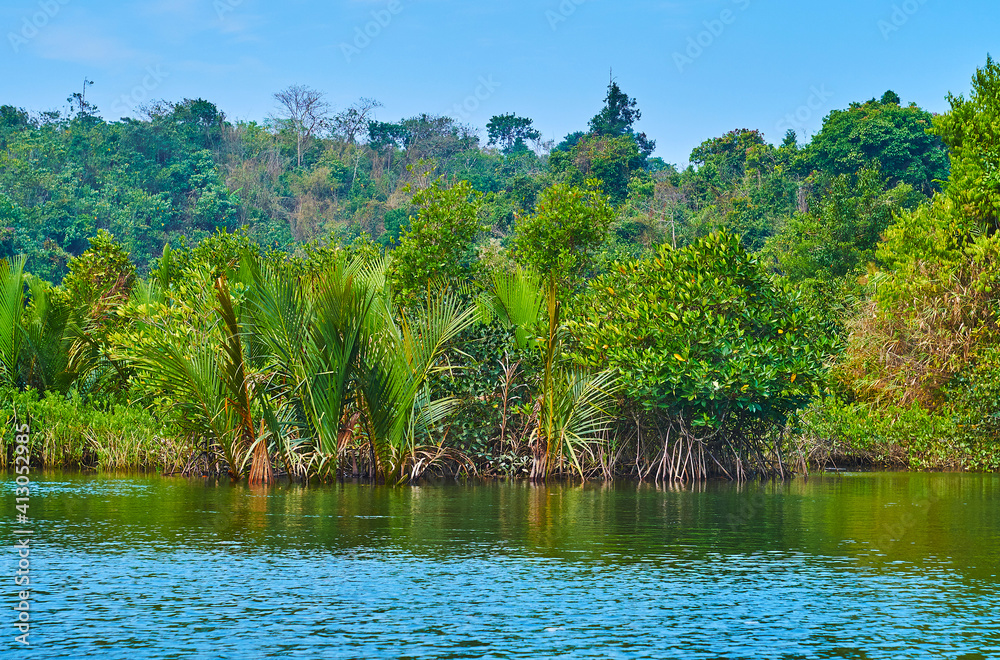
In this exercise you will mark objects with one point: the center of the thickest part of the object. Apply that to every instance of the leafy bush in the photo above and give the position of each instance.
(704, 333)
(712, 350)
(438, 244)
(832, 431)
(568, 225)
(66, 432)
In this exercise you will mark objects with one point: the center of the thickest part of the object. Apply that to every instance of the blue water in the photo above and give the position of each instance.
(852, 566)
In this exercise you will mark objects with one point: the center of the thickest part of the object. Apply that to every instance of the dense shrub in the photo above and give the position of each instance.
(67, 432)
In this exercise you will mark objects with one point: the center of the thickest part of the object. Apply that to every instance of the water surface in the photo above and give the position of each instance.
(844, 566)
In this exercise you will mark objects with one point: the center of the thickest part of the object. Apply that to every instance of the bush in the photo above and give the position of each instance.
(66, 432)
(703, 333)
(830, 430)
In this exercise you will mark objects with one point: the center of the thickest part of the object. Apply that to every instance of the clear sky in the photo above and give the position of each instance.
(697, 67)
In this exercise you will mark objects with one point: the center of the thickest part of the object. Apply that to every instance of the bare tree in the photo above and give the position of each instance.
(353, 122)
(306, 112)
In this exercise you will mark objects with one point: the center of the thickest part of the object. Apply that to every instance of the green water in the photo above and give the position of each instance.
(841, 566)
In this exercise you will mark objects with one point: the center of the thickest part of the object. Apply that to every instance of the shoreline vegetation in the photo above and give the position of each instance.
(189, 295)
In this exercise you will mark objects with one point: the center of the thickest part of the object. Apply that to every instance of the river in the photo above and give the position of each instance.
(845, 565)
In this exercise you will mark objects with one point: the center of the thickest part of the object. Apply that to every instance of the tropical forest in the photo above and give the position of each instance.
(321, 296)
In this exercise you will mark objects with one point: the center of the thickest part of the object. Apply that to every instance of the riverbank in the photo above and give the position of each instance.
(67, 432)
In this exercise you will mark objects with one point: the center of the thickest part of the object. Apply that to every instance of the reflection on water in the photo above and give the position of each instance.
(846, 566)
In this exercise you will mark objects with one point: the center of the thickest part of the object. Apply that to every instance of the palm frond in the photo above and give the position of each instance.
(517, 299)
(11, 312)
(397, 367)
(583, 410)
(234, 372)
(47, 342)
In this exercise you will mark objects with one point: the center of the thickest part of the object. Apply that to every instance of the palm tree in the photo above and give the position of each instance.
(574, 407)
(395, 370)
(335, 349)
(307, 336)
(205, 379)
(46, 338)
(12, 336)
(234, 372)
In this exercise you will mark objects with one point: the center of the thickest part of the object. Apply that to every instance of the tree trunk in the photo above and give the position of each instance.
(260, 469)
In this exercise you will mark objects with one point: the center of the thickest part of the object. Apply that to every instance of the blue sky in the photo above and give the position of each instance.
(697, 67)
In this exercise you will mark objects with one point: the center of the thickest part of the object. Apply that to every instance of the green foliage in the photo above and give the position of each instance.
(143, 181)
(568, 142)
(561, 236)
(839, 238)
(736, 183)
(314, 338)
(219, 252)
(46, 324)
(730, 154)
(934, 307)
(11, 311)
(67, 432)
(395, 221)
(832, 431)
(104, 269)
(337, 348)
(972, 132)
(186, 173)
(13, 119)
(517, 299)
(575, 406)
(192, 370)
(269, 323)
(11, 220)
(438, 244)
(703, 334)
(922, 324)
(612, 161)
(489, 381)
(922, 350)
(510, 133)
(617, 117)
(883, 131)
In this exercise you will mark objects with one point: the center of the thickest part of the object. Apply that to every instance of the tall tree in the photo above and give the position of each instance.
(895, 136)
(437, 246)
(385, 138)
(568, 226)
(729, 154)
(201, 117)
(617, 117)
(305, 111)
(351, 122)
(509, 132)
(79, 101)
(972, 133)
